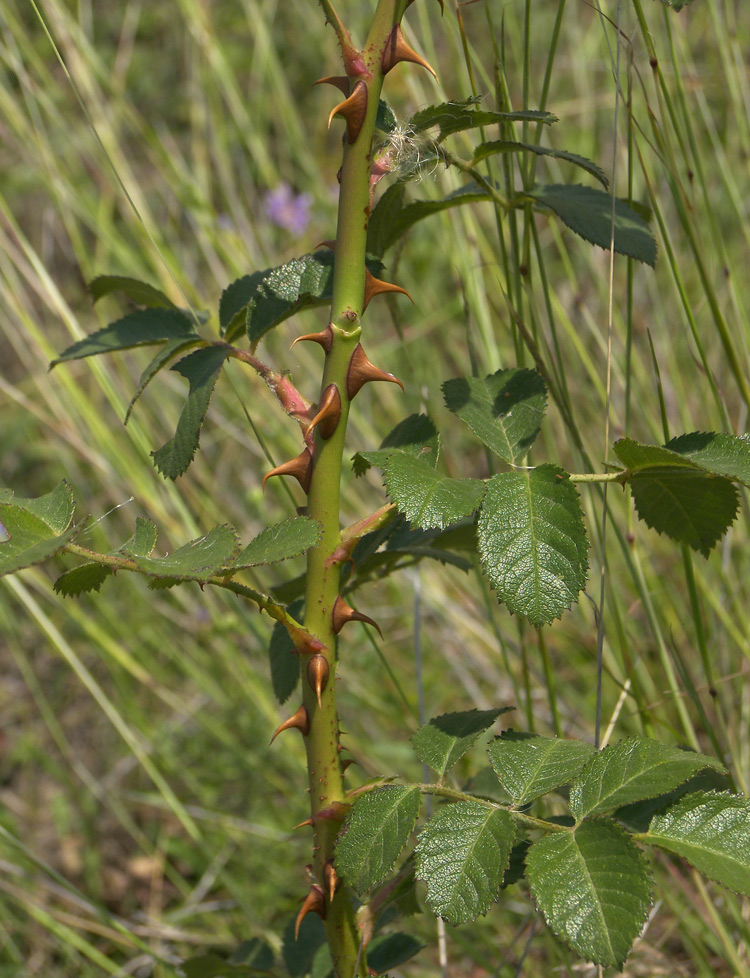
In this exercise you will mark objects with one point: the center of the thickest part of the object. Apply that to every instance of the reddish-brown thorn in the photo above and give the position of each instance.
(308, 821)
(361, 371)
(318, 671)
(331, 879)
(324, 338)
(300, 721)
(338, 81)
(329, 413)
(353, 109)
(300, 468)
(396, 49)
(342, 613)
(375, 286)
(314, 901)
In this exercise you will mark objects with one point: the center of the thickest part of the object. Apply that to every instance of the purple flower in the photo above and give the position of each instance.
(286, 209)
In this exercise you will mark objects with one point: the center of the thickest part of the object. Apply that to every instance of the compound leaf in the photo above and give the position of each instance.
(280, 542)
(376, 830)
(631, 771)
(593, 887)
(712, 831)
(528, 765)
(162, 358)
(391, 218)
(415, 435)
(588, 212)
(139, 292)
(504, 410)
(442, 741)
(511, 146)
(426, 498)
(81, 580)
(721, 454)
(140, 328)
(452, 117)
(31, 530)
(198, 560)
(462, 855)
(201, 369)
(532, 542)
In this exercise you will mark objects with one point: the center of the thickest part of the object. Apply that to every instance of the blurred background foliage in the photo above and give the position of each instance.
(143, 816)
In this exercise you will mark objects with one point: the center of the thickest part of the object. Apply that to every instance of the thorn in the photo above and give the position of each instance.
(318, 671)
(324, 338)
(299, 467)
(315, 902)
(345, 764)
(396, 49)
(308, 821)
(329, 413)
(342, 613)
(338, 173)
(353, 109)
(338, 81)
(362, 370)
(331, 879)
(300, 721)
(331, 245)
(375, 286)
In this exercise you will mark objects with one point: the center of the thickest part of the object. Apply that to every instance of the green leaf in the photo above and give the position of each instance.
(254, 952)
(376, 830)
(265, 299)
(81, 580)
(143, 540)
(462, 855)
(415, 435)
(452, 117)
(532, 542)
(31, 530)
(390, 219)
(283, 658)
(442, 741)
(637, 817)
(198, 560)
(588, 212)
(139, 328)
(712, 831)
(162, 358)
(690, 507)
(720, 454)
(528, 766)
(201, 370)
(633, 770)
(392, 950)
(426, 498)
(139, 292)
(504, 410)
(484, 150)
(280, 542)
(299, 951)
(593, 887)
(212, 966)
(386, 120)
(676, 4)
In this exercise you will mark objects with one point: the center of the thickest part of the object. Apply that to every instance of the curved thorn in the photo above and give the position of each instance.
(375, 286)
(324, 338)
(343, 613)
(300, 721)
(329, 413)
(396, 49)
(331, 879)
(300, 468)
(318, 671)
(361, 371)
(315, 902)
(338, 81)
(353, 109)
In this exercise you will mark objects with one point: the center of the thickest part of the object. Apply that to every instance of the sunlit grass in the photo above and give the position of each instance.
(136, 761)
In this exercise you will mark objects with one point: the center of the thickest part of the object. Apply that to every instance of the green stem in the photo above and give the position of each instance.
(323, 574)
